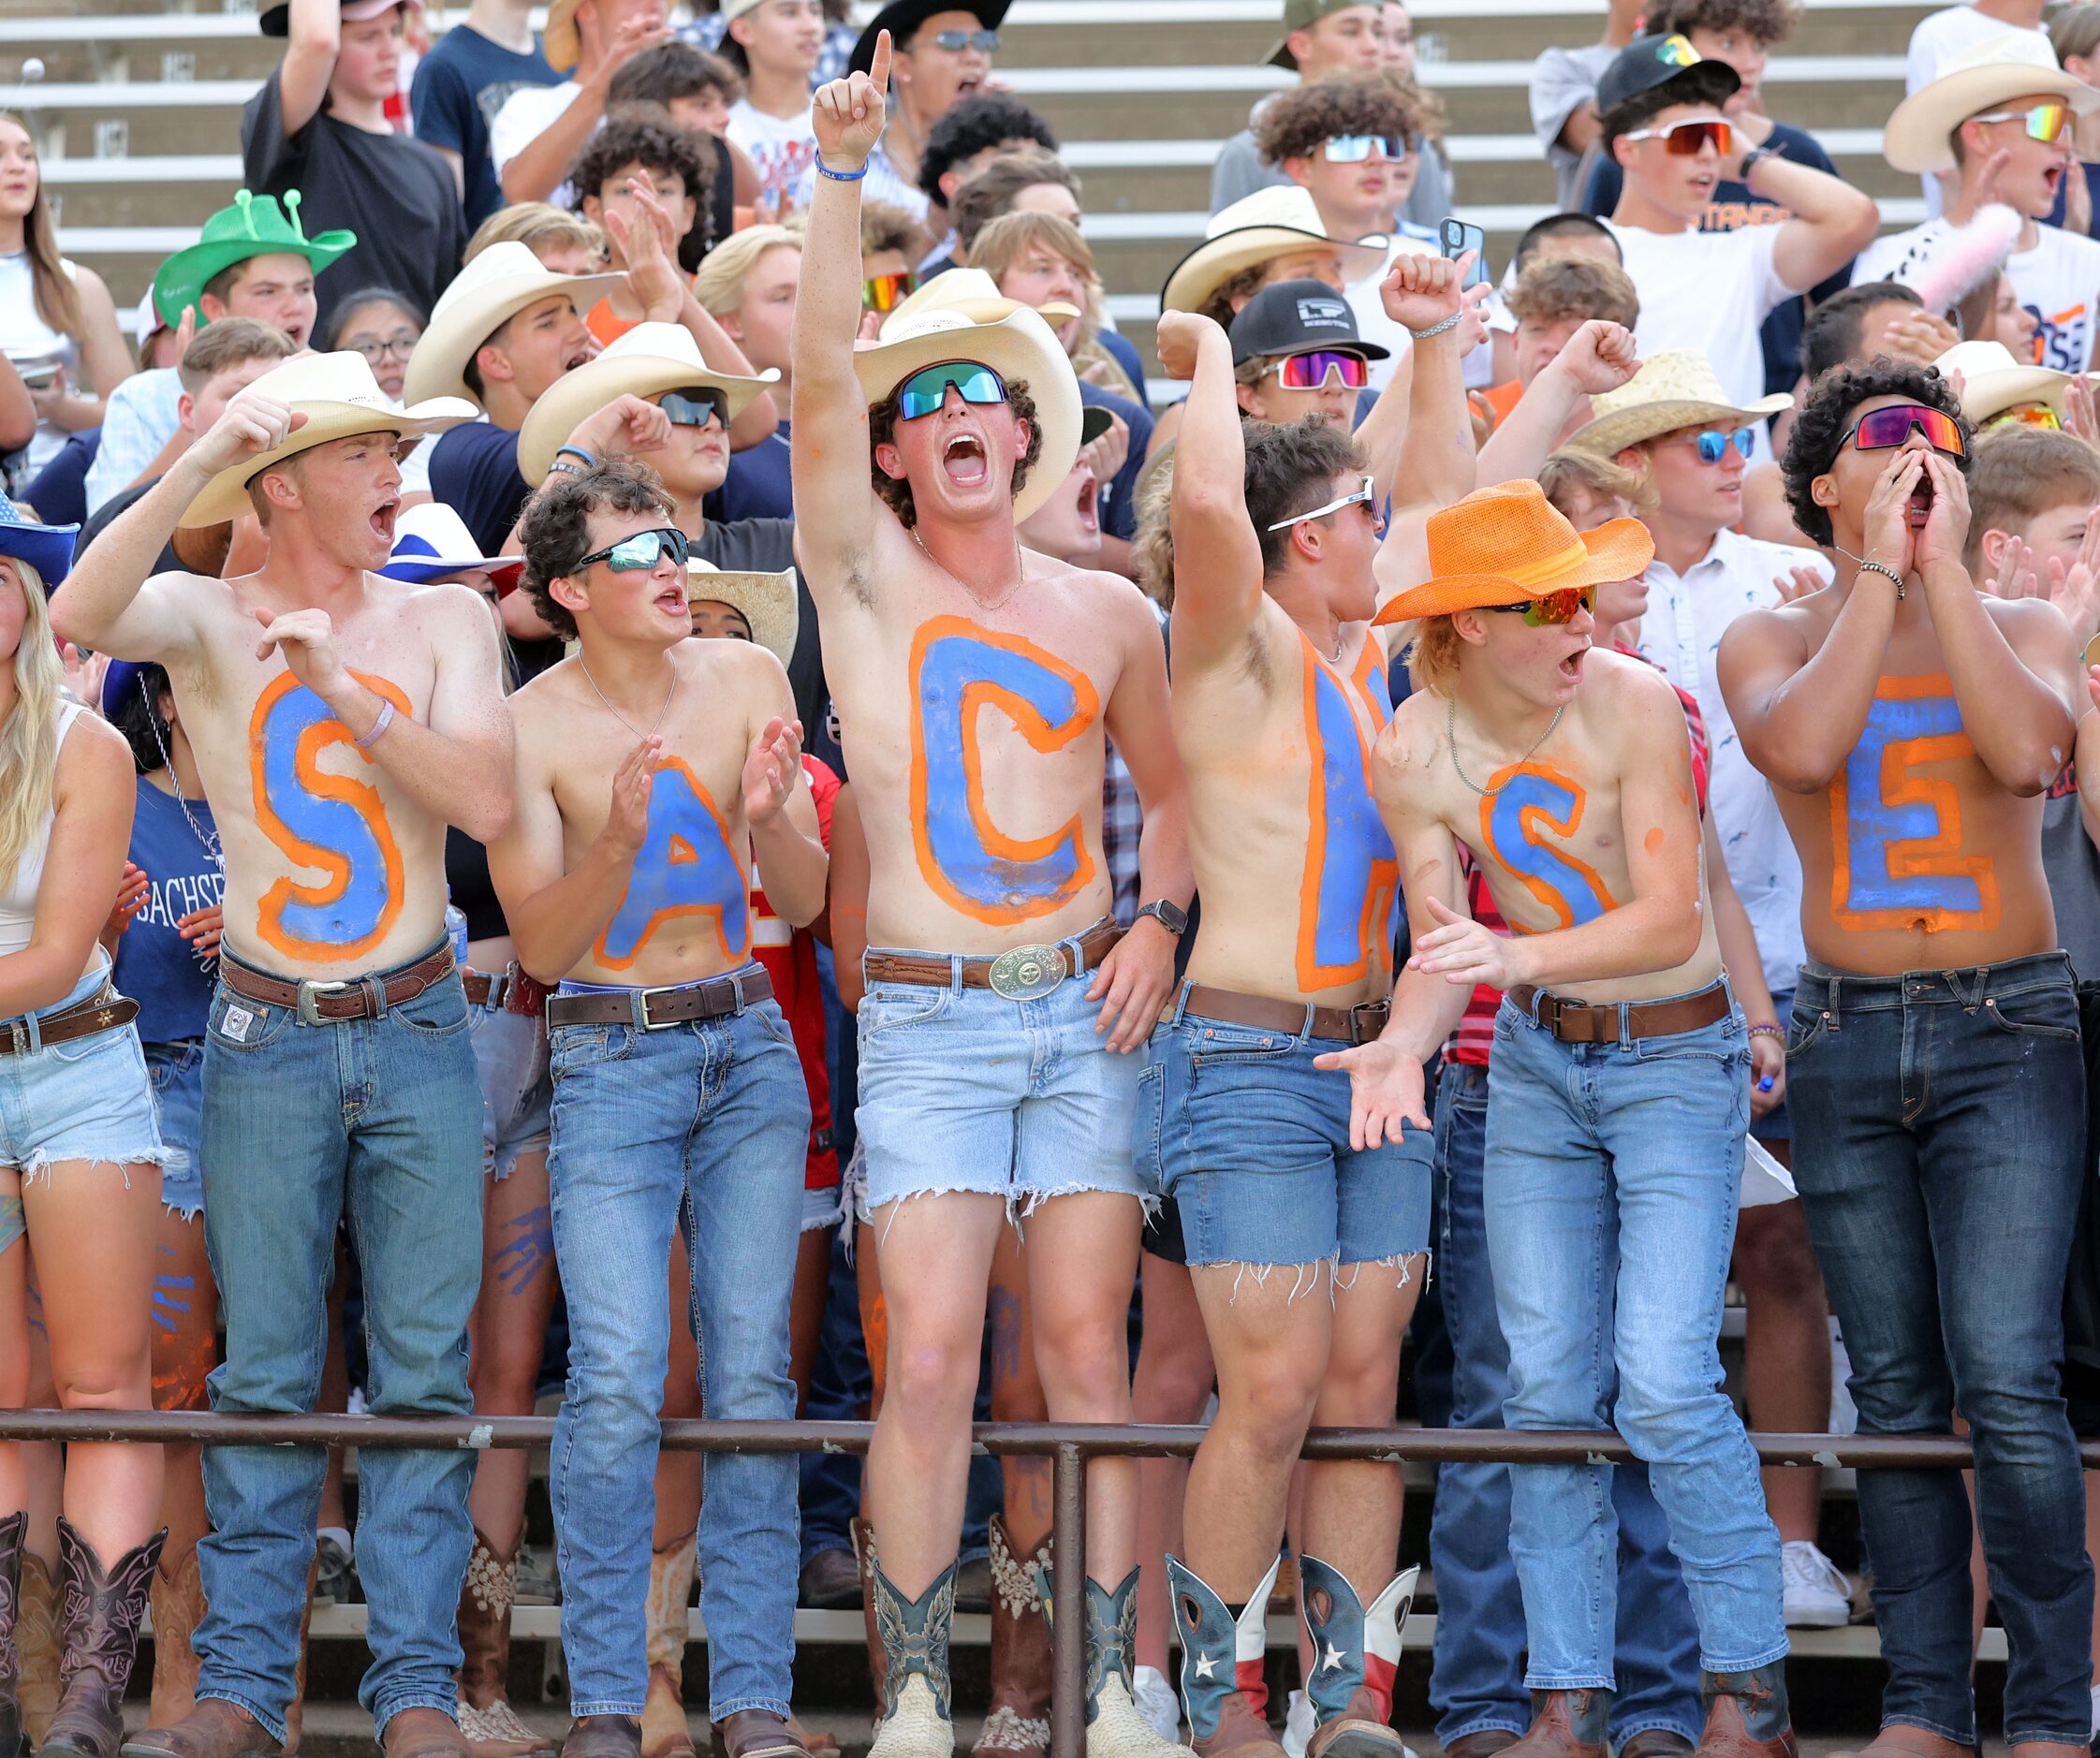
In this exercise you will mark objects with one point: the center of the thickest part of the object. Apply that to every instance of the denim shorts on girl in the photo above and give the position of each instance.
(1252, 1142)
(517, 1090)
(176, 1071)
(85, 1099)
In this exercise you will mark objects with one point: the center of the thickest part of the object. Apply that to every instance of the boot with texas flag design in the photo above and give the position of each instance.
(1356, 1652)
(1224, 1694)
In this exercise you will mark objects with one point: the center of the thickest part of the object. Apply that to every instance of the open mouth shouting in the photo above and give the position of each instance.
(1571, 668)
(1918, 509)
(965, 460)
(671, 601)
(1089, 504)
(383, 516)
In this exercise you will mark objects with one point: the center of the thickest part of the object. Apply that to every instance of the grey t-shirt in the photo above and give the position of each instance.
(1562, 81)
(2072, 866)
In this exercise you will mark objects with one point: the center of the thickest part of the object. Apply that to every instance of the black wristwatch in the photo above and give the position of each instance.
(1171, 916)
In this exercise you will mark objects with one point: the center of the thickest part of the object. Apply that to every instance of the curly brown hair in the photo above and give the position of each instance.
(1296, 121)
(643, 136)
(1767, 21)
(881, 431)
(555, 530)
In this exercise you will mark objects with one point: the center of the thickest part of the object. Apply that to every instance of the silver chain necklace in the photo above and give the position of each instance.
(1451, 735)
(210, 839)
(1020, 577)
(617, 714)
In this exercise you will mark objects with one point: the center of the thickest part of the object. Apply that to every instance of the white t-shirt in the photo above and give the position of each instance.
(781, 149)
(1938, 39)
(2058, 281)
(1709, 291)
(1372, 325)
(523, 118)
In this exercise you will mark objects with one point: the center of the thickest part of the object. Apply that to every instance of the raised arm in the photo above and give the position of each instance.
(1597, 357)
(530, 169)
(1833, 221)
(1217, 552)
(1435, 466)
(834, 498)
(313, 38)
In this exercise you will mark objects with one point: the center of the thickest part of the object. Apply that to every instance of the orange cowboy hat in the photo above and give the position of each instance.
(1509, 542)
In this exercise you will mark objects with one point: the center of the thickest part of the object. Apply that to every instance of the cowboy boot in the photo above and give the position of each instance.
(1356, 1652)
(36, 1647)
(1224, 1694)
(1114, 1729)
(178, 1608)
(12, 1531)
(1016, 1725)
(864, 1556)
(664, 1730)
(1746, 1714)
(486, 1719)
(1565, 1724)
(100, 1611)
(915, 1638)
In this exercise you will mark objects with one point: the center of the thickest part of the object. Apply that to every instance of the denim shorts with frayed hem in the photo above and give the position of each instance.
(86, 1099)
(517, 1090)
(176, 1070)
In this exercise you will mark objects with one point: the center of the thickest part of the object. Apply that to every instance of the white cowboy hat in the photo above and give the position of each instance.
(1994, 378)
(1272, 222)
(2019, 64)
(484, 295)
(1672, 390)
(340, 398)
(769, 602)
(1020, 347)
(432, 542)
(648, 361)
(974, 294)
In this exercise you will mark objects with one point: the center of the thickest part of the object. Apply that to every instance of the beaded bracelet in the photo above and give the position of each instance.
(1437, 328)
(1770, 1030)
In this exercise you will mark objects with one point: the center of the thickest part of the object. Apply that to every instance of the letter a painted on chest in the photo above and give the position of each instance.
(685, 867)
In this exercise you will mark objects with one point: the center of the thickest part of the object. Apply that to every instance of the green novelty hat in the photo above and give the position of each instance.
(254, 226)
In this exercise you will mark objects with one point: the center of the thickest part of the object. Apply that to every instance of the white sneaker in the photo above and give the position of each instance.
(1156, 1700)
(1298, 1723)
(1816, 1594)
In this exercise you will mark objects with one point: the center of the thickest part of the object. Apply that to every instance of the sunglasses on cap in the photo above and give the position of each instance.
(1317, 368)
(1363, 497)
(1713, 444)
(2025, 415)
(2047, 123)
(1684, 139)
(1355, 149)
(884, 292)
(639, 553)
(955, 42)
(695, 407)
(1883, 430)
(1551, 609)
(926, 390)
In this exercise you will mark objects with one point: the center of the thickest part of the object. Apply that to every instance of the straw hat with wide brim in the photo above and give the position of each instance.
(431, 543)
(1275, 222)
(340, 398)
(2019, 64)
(902, 17)
(1020, 347)
(1507, 543)
(974, 294)
(484, 295)
(1995, 379)
(559, 42)
(648, 361)
(1672, 390)
(769, 602)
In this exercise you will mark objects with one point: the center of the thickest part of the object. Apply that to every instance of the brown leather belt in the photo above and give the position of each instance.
(1598, 1022)
(1022, 974)
(333, 1003)
(1262, 1012)
(653, 1009)
(512, 990)
(105, 1012)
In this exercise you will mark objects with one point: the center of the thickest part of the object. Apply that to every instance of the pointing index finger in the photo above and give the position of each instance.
(879, 64)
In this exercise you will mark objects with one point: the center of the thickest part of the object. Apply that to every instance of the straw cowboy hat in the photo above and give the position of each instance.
(559, 42)
(648, 361)
(1508, 543)
(976, 295)
(2019, 64)
(1270, 223)
(340, 398)
(484, 295)
(1020, 347)
(1672, 390)
(431, 543)
(769, 602)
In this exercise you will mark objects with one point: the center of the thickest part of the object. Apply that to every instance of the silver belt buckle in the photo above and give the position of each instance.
(1029, 972)
(309, 1001)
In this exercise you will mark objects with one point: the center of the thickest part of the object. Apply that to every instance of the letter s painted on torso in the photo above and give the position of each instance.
(1522, 803)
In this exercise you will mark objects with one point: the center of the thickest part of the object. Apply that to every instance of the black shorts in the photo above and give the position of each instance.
(1163, 1234)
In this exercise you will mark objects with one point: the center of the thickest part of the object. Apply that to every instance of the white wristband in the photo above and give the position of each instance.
(379, 727)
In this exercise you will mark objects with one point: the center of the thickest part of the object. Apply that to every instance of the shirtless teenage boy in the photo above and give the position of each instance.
(340, 721)
(974, 687)
(1618, 1095)
(1306, 1254)
(1911, 726)
(651, 767)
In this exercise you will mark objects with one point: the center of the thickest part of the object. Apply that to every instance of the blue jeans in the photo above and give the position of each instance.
(1941, 1118)
(176, 1070)
(1613, 1174)
(702, 1126)
(1475, 1682)
(381, 1117)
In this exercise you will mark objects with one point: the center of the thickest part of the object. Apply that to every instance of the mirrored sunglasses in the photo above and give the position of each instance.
(1713, 444)
(2047, 122)
(884, 293)
(639, 553)
(1317, 367)
(926, 390)
(1360, 498)
(1355, 149)
(695, 407)
(1552, 609)
(2026, 414)
(1883, 430)
(1686, 139)
(955, 42)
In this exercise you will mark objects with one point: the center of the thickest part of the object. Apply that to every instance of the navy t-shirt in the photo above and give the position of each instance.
(1119, 498)
(156, 966)
(759, 484)
(1126, 355)
(460, 85)
(1733, 208)
(474, 471)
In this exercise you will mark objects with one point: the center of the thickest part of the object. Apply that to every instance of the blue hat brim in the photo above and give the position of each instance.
(412, 572)
(48, 549)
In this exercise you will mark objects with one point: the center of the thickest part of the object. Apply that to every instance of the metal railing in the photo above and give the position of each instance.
(1067, 1445)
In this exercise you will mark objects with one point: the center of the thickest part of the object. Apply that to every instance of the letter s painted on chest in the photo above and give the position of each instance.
(325, 821)
(1524, 803)
(1896, 835)
(958, 670)
(1348, 900)
(685, 867)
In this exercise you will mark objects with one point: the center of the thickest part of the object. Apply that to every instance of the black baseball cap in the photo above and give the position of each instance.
(1294, 316)
(1650, 63)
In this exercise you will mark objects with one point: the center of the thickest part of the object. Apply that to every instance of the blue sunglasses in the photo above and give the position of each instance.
(926, 390)
(1713, 444)
(640, 552)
